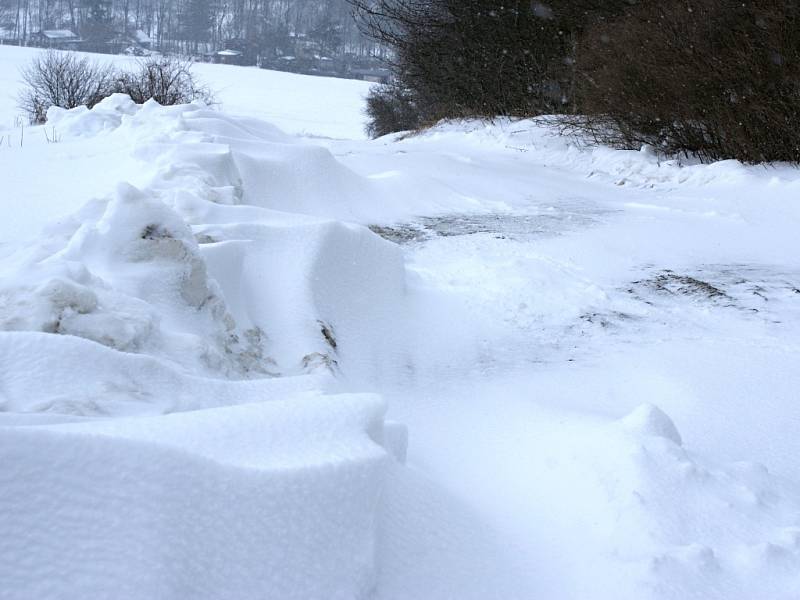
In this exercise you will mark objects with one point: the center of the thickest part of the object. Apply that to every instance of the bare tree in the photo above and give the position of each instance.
(65, 80)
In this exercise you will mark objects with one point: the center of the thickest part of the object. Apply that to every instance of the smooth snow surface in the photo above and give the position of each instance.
(273, 499)
(245, 353)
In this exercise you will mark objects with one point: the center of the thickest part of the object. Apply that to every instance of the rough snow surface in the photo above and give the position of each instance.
(589, 358)
(192, 265)
(166, 348)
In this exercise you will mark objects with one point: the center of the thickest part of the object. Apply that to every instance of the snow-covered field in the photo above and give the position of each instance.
(246, 353)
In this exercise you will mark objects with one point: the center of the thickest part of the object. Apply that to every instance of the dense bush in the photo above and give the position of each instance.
(390, 108)
(483, 58)
(68, 80)
(713, 78)
(65, 80)
(466, 58)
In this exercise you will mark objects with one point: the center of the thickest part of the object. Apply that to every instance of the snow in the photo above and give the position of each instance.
(56, 34)
(262, 293)
(274, 498)
(543, 370)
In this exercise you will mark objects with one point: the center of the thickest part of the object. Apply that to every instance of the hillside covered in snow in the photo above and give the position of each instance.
(247, 353)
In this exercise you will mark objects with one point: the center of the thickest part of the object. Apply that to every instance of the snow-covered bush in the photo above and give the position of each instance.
(65, 80)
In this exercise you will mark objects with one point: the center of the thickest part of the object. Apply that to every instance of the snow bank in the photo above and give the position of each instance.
(539, 142)
(274, 499)
(327, 293)
(159, 347)
(63, 377)
(192, 266)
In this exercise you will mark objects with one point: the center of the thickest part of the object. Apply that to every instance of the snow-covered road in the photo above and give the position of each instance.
(557, 323)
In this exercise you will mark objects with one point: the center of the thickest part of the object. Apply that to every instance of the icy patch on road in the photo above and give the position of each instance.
(537, 222)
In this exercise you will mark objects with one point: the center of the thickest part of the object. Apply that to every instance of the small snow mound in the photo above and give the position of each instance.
(650, 420)
(696, 557)
(107, 115)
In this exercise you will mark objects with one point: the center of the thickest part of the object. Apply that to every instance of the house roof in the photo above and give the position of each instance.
(141, 37)
(58, 34)
(229, 53)
(376, 72)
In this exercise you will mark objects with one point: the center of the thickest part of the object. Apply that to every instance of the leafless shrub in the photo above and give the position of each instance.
(470, 58)
(167, 80)
(68, 80)
(62, 79)
(712, 78)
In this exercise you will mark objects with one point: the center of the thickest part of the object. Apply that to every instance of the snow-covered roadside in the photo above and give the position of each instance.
(181, 290)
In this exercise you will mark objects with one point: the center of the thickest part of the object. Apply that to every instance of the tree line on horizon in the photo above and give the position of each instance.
(264, 28)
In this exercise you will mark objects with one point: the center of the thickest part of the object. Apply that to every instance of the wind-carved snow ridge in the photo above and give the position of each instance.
(183, 291)
(276, 499)
(188, 263)
(131, 277)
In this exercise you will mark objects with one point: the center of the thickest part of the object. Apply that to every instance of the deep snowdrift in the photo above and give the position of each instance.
(194, 267)
(181, 290)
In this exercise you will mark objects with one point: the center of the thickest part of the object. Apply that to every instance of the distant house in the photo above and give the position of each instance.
(326, 66)
(143, 40)
(119, 43)
(229, 57)
(7, 36)
(136, 43)
(375, 75)
(249, 51)
(63, 39)
(292, 64)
